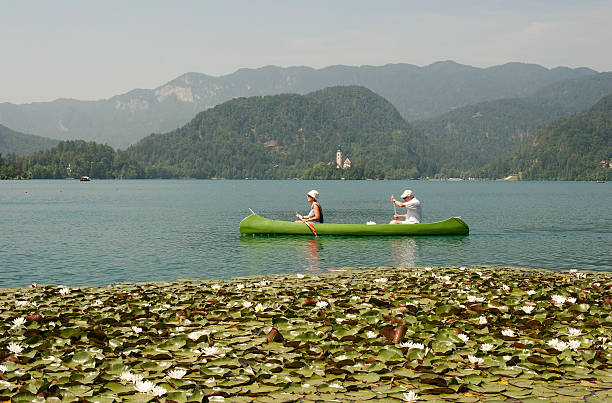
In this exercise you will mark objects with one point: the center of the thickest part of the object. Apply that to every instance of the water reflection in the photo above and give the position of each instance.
(404, 251)
(311, 252)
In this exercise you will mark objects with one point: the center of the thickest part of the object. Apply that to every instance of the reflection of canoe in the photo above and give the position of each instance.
(255, 224)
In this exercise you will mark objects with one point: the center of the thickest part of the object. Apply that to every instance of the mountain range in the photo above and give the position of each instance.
(12, 142)
(418, 93)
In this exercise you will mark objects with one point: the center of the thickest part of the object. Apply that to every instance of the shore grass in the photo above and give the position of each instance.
(400, 334)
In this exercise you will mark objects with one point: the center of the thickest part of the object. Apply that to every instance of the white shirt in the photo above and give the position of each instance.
(413, 211)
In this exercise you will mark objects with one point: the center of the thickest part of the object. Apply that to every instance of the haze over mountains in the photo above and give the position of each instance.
(416, 92)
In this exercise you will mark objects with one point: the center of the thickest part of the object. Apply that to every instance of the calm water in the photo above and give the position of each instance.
(102, 232)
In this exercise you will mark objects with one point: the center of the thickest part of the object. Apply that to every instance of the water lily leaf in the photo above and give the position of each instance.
(580, 308)
(361, 395)
(442, 346)
(367, 377)
(118, 388)
(178, 396)
(390, 354)
(573, 391)
(79, 390)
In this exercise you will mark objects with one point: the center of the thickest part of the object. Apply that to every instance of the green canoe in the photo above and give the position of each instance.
(255, 224)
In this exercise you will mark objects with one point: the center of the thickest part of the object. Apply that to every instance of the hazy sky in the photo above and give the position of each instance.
(96, 49)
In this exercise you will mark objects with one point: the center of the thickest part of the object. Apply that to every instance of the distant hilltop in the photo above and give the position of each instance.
(416, 92)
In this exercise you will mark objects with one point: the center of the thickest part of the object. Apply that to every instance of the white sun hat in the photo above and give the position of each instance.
(314, 194)
(406, 193)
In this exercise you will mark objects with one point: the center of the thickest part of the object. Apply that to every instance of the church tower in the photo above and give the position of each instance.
(339, 158)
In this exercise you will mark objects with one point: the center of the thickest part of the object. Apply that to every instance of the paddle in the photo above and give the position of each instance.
(312, 228)
(394, 209)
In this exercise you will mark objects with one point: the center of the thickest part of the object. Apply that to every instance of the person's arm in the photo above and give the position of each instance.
(317, 213)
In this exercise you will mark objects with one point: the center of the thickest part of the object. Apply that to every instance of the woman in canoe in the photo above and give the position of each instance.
(316, 211)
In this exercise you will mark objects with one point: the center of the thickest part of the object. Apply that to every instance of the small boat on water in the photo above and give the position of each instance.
(256, 224)
(85, 179)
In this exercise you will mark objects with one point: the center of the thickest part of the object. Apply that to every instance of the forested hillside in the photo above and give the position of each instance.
(570, 148)
(416, 92)
(12, 142)
(478, 134)
(72, 159)
(286, 136)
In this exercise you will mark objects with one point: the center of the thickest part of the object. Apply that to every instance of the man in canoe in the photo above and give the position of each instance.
(413, 209)
(316, 212)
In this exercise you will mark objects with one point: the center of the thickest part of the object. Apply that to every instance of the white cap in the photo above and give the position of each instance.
(314, 194)
(406, 193)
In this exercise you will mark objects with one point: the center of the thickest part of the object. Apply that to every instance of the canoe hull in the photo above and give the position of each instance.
(255, 224)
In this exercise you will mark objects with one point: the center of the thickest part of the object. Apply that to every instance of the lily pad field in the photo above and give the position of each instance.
(391, 334)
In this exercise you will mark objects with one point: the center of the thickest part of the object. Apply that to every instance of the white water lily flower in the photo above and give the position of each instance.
(370, 334)
(574, 332)
(475, 360)
(531, 292)
(411, 345)
(464, 337)
(507, 357)
(339, 320)
(571, 300)
(299, 275)
(127, 376)
(247, 304)
(410, 396)
(473, 298)
(3, 368)
(179, 329)
(259, 308)
(158, 391)
(505, 287)
(335, 385)
(64, 291)
(527, 308)
(18, 322)
(487, 347)
(98, 302)
(15, 348)
(22, 303)
(558, 299)
(197, 335)
(381, 280)
(355, 298)
(177, 373)
(574, 344)
(211, 351)
(136, 329)
(239, 286)
(144, 386)
(215, 286)
(482, 320)
(322, 304)
(508, 333)
(264, 283)
(558, 344)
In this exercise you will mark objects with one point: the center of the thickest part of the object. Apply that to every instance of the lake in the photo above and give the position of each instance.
(107, 231)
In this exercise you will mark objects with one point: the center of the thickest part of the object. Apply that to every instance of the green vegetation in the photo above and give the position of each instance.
(296, 136)
(286, 136)
(72, 159)
(460, 334)
(417, 92)
(12, 142)
(489, 131)
(570, 148)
